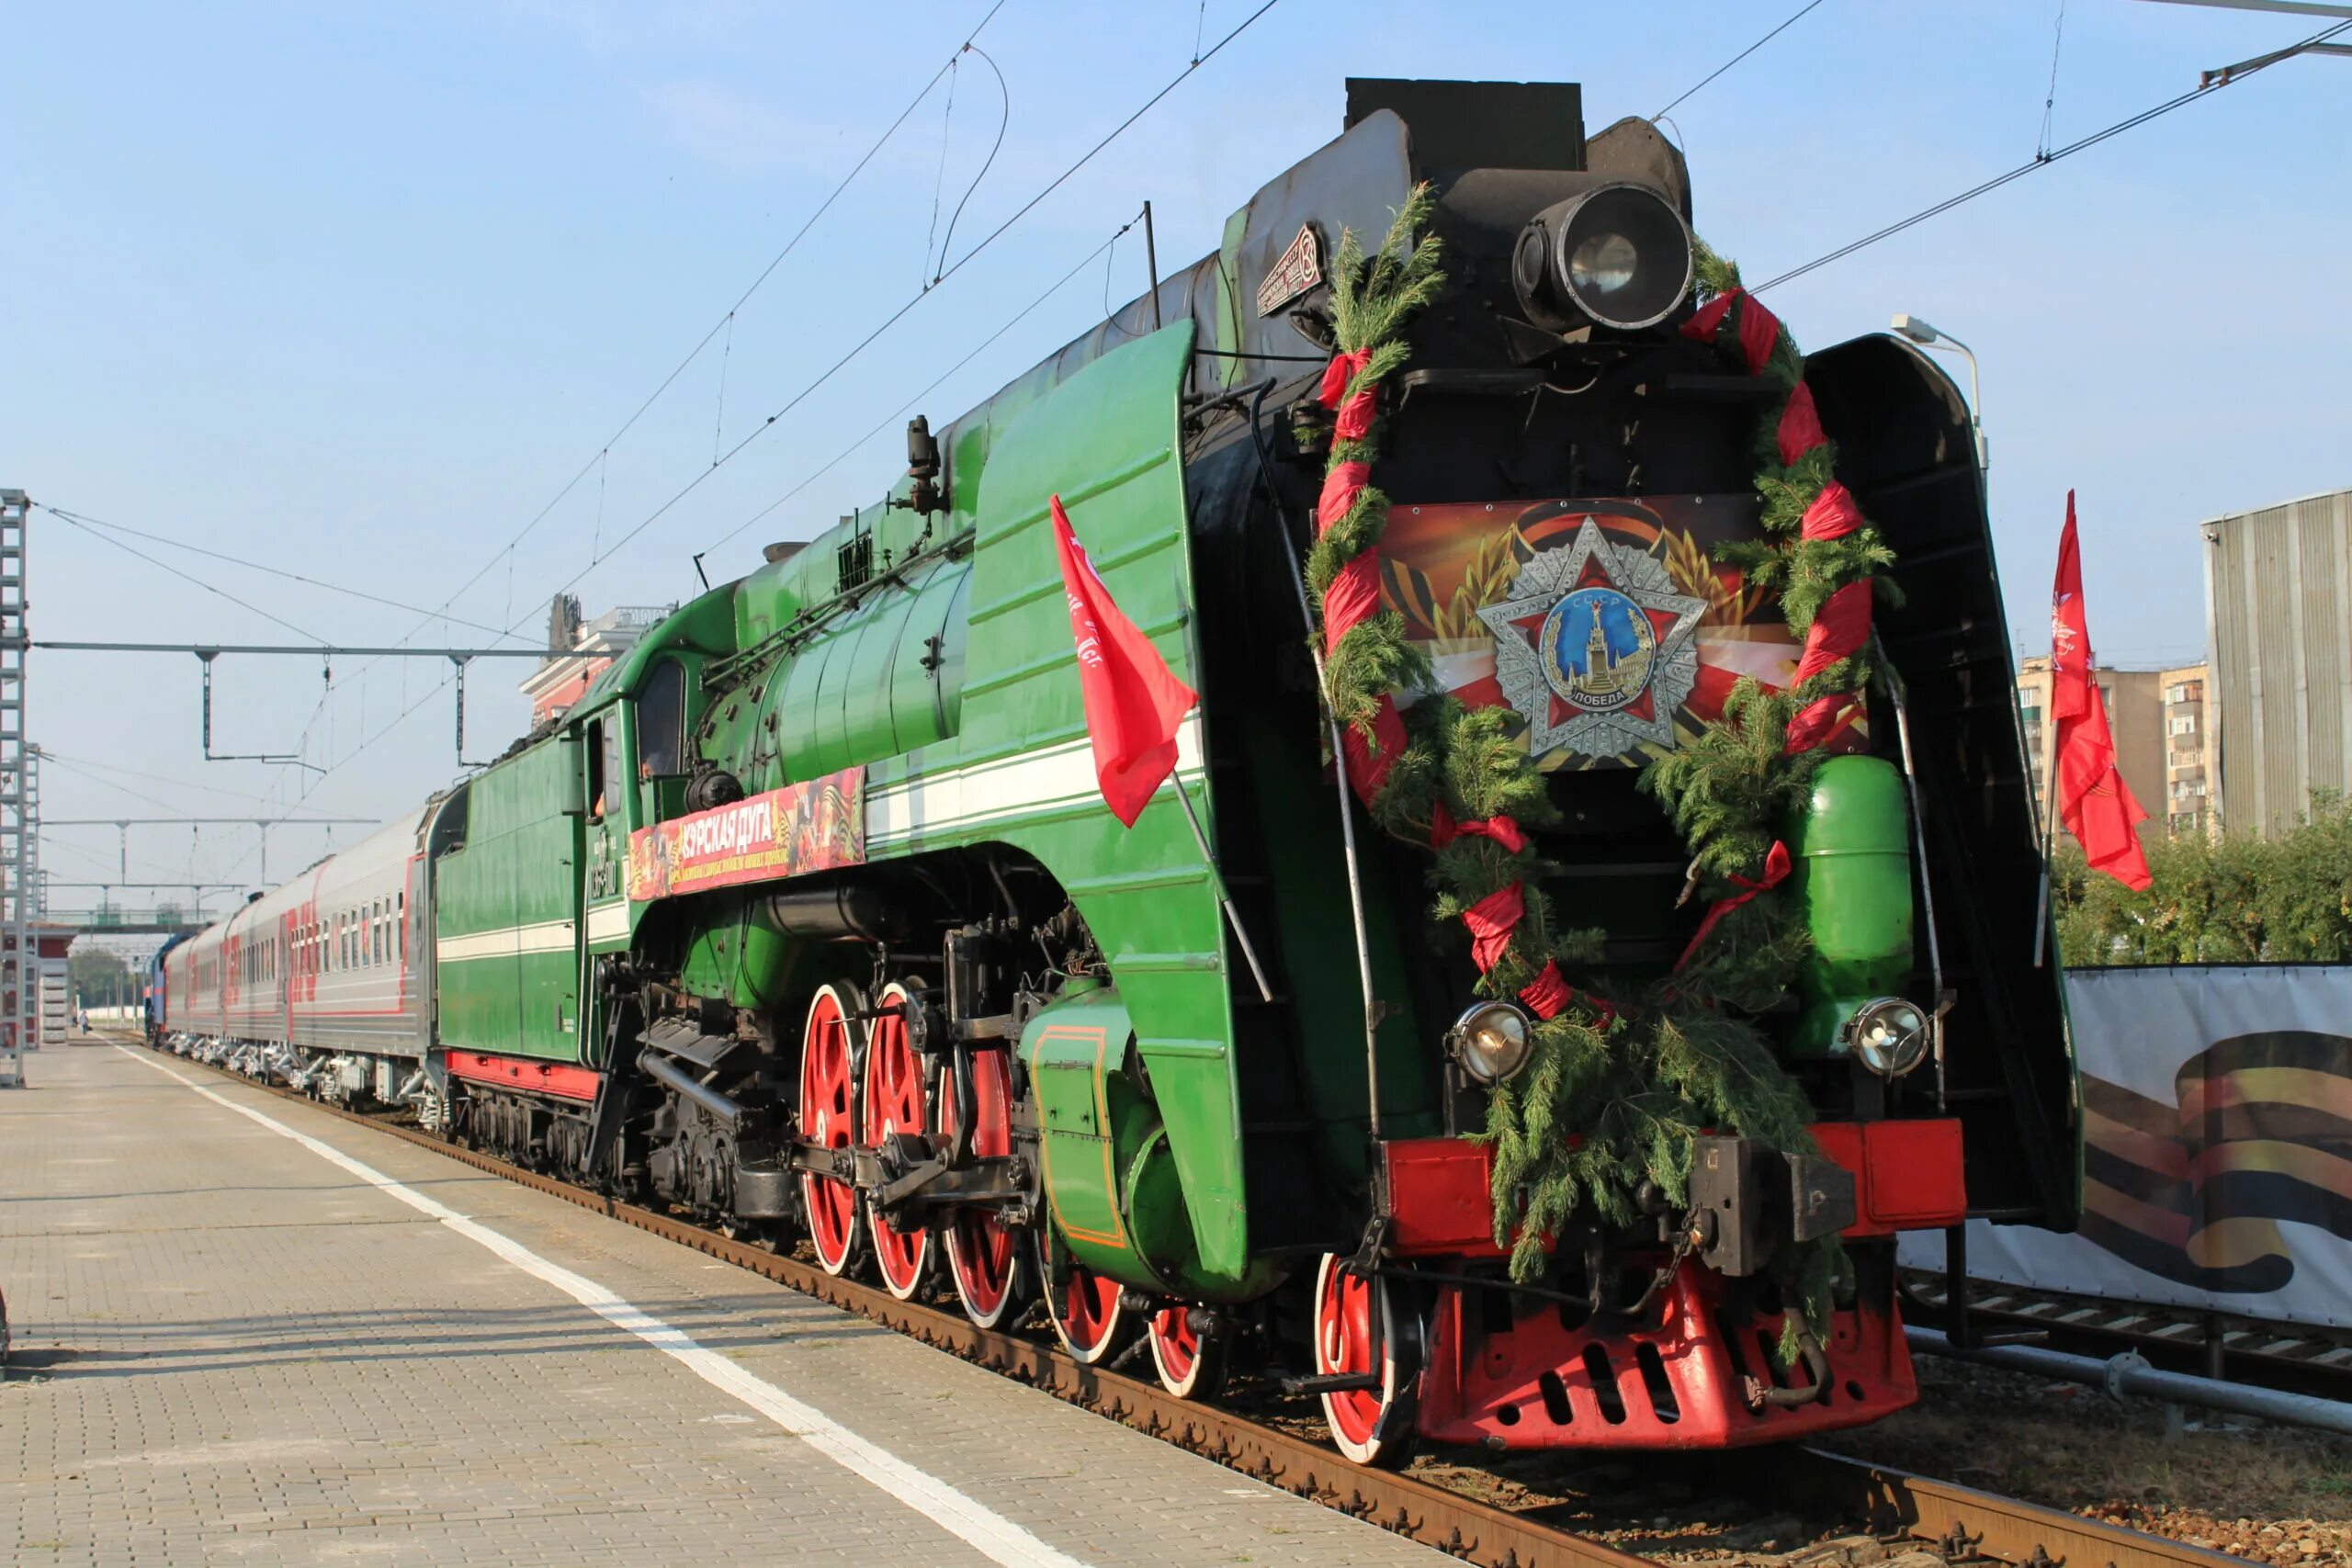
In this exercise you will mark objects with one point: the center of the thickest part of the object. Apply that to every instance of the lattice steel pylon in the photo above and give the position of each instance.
(20, 803)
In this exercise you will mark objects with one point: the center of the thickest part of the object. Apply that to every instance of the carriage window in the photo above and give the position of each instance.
(597, 772)
(660, 722)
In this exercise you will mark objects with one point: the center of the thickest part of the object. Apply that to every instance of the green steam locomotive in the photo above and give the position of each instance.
(809, 917)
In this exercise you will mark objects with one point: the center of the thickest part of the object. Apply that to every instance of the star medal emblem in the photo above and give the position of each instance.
(1594, 647)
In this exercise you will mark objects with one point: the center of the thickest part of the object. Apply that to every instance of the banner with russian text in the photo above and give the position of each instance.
(817, 825)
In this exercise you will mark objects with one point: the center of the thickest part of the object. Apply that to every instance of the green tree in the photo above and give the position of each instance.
(101, 978)
(2235, 899)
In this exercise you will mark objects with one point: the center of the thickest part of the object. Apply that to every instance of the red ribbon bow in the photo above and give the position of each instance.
(1833, 514)
(1800, 428)
(1341, 487)
(1839, 629)
(1758, 328)
(1352, 598)
(1501, 829)
(1491, 920)
(1776, 871)
(1549, 995)
(1369, 762)
(1355, 413)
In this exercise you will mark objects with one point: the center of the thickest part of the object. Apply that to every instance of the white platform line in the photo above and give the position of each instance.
(990, 1533)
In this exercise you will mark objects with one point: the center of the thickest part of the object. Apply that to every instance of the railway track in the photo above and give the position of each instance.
(2289, 1356)
(1904, 1511)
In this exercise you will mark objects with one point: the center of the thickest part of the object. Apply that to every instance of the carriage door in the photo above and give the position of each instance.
(604, 867)
(546, 868)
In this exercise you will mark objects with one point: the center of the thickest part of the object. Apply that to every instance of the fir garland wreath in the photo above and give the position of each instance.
(1612, 1097)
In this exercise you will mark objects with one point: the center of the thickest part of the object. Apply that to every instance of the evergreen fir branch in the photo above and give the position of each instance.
(1728, 789)
(1488, 773)
(1749, 962)
(1354, 532)
(1374, 660)
(1714, 273)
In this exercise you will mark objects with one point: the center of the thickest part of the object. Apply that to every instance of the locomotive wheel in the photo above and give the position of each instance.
(1087, 1313)
(829, 1059)
(984, 1254)
(893, 1101)
(1190, 1366)
(1371, 1426)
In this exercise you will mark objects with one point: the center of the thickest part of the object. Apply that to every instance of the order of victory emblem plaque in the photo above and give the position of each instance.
(1593, 647)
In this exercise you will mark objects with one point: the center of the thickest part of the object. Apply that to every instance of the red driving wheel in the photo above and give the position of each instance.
(1191, 1365)
(828, 1117)
(894, 1103)
(983, 1252)
(1087, 1315)
(1361, 1330)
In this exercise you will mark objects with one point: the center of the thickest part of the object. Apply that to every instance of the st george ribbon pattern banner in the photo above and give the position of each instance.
(817, 825)
(2217, 1158)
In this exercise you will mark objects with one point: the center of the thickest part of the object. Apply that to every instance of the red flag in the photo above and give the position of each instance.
(1133, 700)
(2093, 800)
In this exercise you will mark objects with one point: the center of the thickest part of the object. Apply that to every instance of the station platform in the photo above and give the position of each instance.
(249, 1332)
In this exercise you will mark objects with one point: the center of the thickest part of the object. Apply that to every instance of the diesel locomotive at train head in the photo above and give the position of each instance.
(810, 917)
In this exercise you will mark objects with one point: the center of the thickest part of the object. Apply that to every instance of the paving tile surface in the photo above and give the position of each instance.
(231, 1350)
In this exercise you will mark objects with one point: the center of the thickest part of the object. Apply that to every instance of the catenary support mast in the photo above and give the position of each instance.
(20, 964)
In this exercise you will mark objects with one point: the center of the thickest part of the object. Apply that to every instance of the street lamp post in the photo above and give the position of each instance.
(1926, 336)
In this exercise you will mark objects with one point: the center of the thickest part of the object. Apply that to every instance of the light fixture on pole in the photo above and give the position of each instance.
(1926, 336)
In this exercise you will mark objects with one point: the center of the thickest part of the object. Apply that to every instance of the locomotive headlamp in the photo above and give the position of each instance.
(1889, 1035)
(1491, 1042)
(1617, 254)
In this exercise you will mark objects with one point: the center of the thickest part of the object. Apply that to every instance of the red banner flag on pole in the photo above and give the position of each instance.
(1133, 700)
(2087, 789)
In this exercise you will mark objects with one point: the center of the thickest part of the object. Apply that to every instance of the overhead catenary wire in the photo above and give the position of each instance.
(1023, 314)
(939, 180)
(2050, 96)
(895, 316)
(1004, 118)
(604, 447)
(72, 522)
(888, 419)
(313, 784)
(50, 755)
(2044, 160)
(86, 521)
(600, 460)
(1692, 91)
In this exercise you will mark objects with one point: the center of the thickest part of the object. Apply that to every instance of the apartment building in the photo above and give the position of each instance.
(2188, 801)
(2140, 716)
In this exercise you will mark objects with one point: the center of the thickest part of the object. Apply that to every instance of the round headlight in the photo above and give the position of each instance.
(1889, 1035)
(1602, 264)
(1617, 254)
(1491, 1042)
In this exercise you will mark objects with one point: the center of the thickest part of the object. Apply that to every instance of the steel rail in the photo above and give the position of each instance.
(2230, 1346)
(1959, 1521)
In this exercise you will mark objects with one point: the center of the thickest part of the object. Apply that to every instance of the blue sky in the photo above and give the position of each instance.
(356, 290)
